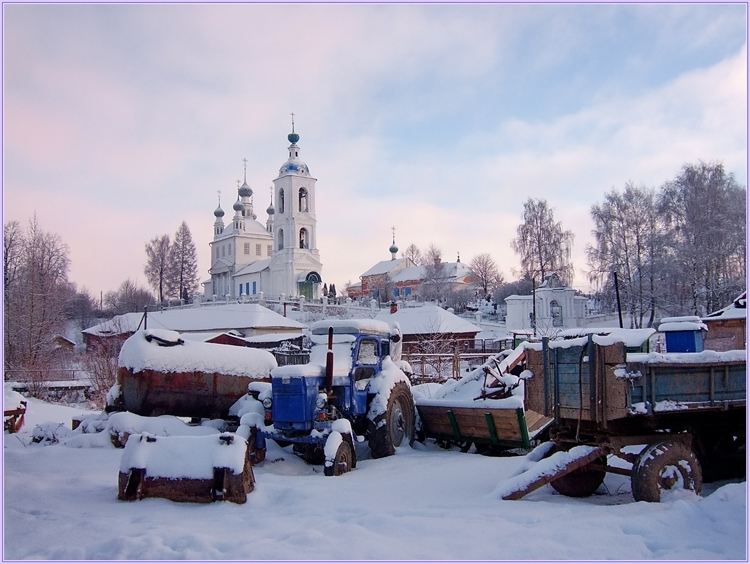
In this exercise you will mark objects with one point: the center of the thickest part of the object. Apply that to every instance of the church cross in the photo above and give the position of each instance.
(292, 122)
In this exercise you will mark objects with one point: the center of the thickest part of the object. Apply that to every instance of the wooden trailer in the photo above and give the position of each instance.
(492, 418)
(686, 411)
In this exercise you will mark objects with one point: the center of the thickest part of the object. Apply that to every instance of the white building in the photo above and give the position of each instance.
(280, 258)
(557, 308)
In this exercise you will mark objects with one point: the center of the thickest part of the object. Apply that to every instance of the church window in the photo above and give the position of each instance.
(223, 251)
(257, 249)
(303, 242)
(269, 250)
(247, 248)
(281, 200)
(303, 199)
(280, 240)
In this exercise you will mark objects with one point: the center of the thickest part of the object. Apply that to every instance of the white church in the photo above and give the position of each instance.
(280, 259)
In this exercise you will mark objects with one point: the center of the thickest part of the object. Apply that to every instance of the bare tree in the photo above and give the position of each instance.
(485, 269)
(704, 209)
(413, 253)
(629, 241)
(182, 272)
(435, 284)
(157, 265)
(35, 292)
(129, 297)
(542, 244)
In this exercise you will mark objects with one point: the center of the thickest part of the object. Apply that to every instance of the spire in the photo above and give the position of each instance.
(458, 257)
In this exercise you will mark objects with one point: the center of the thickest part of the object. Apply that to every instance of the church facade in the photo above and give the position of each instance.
(278, 259)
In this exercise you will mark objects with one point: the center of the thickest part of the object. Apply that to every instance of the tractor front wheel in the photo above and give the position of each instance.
(342, 462)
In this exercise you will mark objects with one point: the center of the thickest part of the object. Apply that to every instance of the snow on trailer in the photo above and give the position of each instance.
(486, 407)
(687, 409)
(161, 373)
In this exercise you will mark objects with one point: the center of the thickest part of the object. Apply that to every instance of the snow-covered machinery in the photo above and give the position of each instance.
(160, 373)
(352, 389)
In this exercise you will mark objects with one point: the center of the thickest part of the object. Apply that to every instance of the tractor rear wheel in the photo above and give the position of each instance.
(665, 466)
(390, 429)
(342, 462)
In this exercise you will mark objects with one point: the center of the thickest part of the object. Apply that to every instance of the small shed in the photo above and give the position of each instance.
(683, 334)
(727, 328)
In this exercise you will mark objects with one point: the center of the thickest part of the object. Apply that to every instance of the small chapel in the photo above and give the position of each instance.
(279, 259)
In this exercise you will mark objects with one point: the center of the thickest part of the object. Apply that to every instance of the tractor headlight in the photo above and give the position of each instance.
(267, 403)
(320, 401)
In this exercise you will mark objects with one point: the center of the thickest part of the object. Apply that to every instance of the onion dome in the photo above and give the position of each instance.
(393, 249)
(270, 210)
(238, 206)
(293, 165)
(293, 137)
(218, 212)
(245, 190)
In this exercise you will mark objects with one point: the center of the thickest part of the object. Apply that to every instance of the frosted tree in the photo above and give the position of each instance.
(182, 274)
(629, 241)
(435, 284)
(129, 297)
(704, 209)
(157, 265)
(485, 269)
(36, 291)
(413, 253)
(542, 245)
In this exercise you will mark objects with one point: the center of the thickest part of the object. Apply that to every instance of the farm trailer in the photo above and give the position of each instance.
(688, 409)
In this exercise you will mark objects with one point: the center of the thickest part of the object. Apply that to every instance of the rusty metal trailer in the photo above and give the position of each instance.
(686, 411)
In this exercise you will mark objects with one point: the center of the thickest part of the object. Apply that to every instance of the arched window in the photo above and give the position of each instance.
(555, 312)
(281, 200)
(303, 200)
(280, 244)
(303, 242)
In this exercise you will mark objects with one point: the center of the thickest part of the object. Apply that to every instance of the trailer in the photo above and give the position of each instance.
(485, 408)
(679, 419)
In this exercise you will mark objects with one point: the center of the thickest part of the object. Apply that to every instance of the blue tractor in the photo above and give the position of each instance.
(353, 389)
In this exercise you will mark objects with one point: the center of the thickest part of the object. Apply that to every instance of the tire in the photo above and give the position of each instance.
(389, 430)
(582, 482)
(665, 466)
(342, 462)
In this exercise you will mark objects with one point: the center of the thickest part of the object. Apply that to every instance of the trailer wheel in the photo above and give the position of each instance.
(388, 430)
(584, 481)
(665, 466)
(342, 462)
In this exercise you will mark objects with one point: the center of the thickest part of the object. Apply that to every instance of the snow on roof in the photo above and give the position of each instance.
(351, 326)
(206, 318)
(684, 323)
(256, 266)
(428, 319)
(385, 266)
(409, 273)
(138, 353)
(736, 310)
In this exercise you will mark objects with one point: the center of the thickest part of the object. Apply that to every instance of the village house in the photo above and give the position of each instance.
(556, 308)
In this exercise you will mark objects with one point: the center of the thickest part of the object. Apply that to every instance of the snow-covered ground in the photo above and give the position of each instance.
(424, 503)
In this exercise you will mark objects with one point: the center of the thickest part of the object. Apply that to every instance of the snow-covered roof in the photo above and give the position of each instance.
(428, 319)
(385, 266)
(256, 266)
(684, 323)
(208, 318)
(351, 327)
(409, 273)
(736, 310)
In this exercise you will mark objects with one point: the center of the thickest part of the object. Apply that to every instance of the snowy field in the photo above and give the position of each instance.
(424, 503)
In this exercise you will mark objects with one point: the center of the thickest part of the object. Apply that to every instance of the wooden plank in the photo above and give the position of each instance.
(470, 423)
(540, 481)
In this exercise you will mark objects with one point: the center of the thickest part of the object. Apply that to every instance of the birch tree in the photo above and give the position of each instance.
(542, 245)
(157, 265)
(485, 269)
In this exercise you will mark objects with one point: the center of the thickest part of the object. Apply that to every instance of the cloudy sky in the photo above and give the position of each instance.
(121, 121)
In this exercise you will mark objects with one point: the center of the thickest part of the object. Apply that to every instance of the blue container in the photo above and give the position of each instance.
(684, 341)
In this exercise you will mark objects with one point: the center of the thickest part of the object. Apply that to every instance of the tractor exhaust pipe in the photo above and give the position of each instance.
(329, 362)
